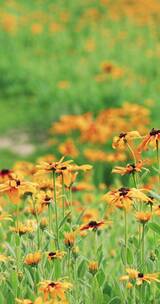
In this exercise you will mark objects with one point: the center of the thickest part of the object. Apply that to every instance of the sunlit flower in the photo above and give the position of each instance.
(124, 138)
(15, 188)
(55, 290)
(130, 168)
(138, 277)
(124, 197)
(57, 167)
(28, 227)
(152, 138)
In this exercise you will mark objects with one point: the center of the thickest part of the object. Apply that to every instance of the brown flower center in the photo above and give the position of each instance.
(154, 132)
(122, 135)
(123, 191)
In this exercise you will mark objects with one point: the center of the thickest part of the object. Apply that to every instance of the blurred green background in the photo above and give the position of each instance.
(52, 59)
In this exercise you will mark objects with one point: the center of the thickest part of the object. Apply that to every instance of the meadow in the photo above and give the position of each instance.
(79, 152)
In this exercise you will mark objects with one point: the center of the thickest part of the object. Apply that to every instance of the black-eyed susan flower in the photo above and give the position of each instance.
(56, 255)
(23, 228)
(57, 167)
(130, 168)
(150, 139)
(15, 188)
(124, 197)
(92, 225)
(124, 138)
(55, 290)
(138, 278)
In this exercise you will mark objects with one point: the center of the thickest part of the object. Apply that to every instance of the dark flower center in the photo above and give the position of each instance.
(52, 284)
(123, 191)
(51, 254)
(5, 171)
(154, 132)
(122, 135)
(140, 275)
(18, 182)
(92, 224)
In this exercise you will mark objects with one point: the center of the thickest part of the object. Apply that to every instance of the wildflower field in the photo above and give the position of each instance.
(79, 152)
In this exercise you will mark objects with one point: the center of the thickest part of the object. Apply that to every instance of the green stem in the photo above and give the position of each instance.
(125, 234)
(158, 161)
(56, 211)
(63, 197)
(142, 247)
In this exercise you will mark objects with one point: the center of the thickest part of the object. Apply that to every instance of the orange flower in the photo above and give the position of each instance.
(14, 188)
(55, 290)
(143, 217)
(93, 267)
(152, 138)
(130, 168)
(124, 197)
(33, 259)
(92, 225)
(58, 167)
(124, 138)
(53, 255)
(140, 278)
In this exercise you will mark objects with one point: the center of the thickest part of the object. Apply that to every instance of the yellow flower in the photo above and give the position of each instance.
(152, 138)
(15, 188)
(3, 258)
(124, 197)
(57, 167)
(124, 137)
(33, 259)
(55, 290)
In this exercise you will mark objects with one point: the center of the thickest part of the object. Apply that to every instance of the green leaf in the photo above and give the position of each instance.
(81, 269)
(107, 289)
(115, 300)
(64, 220)
(100, 277)
(155, 227)
(128, 256)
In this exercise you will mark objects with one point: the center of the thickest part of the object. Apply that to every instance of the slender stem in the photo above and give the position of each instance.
(158, 161)
(56, 211)
(63, 196)
(125, 234)
(142, 248)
